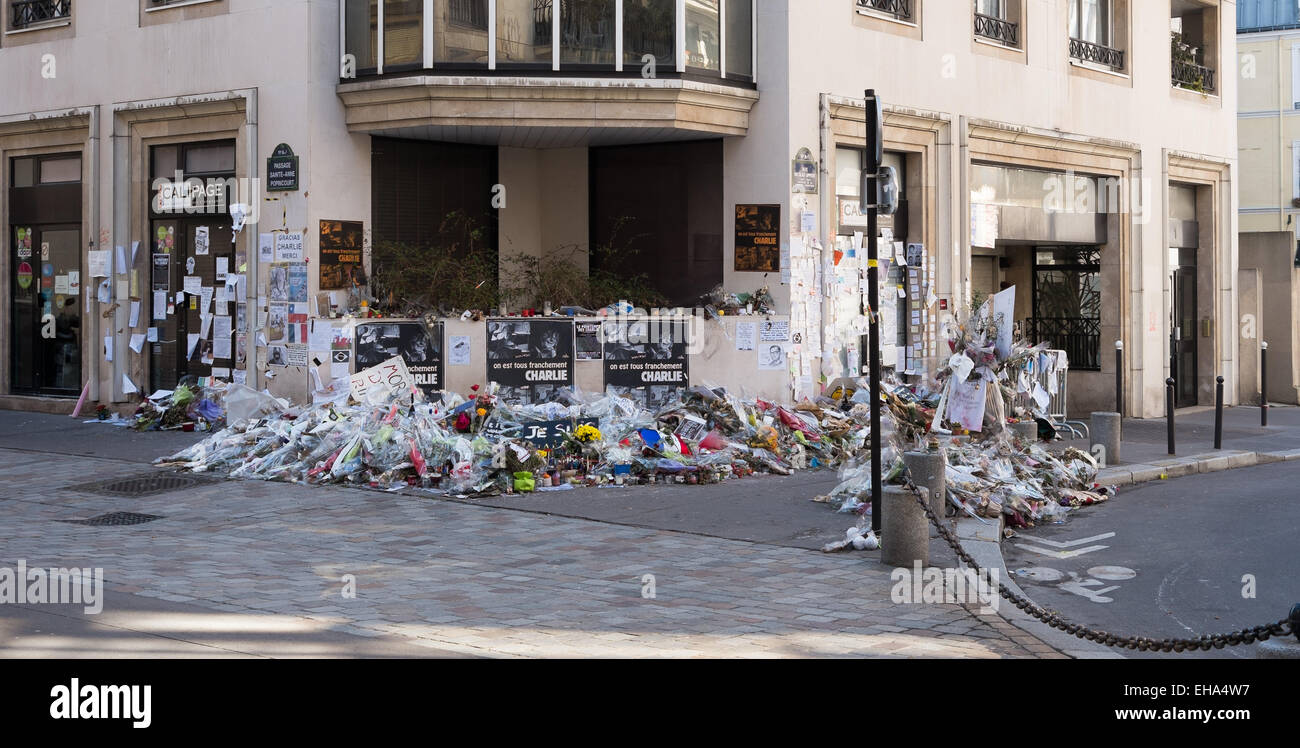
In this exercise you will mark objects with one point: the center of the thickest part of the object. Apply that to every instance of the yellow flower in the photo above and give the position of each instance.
(482, 411)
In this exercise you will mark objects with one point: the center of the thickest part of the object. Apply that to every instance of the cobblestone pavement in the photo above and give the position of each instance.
(464, 579)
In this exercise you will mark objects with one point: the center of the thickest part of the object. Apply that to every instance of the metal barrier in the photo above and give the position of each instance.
(1058, 379)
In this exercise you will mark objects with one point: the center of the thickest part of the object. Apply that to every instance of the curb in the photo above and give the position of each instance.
(1177, 467)
(984, 544)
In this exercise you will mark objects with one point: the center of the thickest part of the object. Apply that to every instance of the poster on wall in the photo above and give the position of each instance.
(530, 359)
(340, 253)
(587, 341)
(417, 344)
(758, 238)
(646, 364)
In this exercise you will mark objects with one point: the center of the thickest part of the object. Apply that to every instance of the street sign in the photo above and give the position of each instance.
(282, 170)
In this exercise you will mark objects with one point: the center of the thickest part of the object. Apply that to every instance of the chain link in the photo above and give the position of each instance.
(1139, 643)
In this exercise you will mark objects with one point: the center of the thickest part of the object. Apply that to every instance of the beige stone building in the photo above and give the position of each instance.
(1065, 147)
(1268, 129)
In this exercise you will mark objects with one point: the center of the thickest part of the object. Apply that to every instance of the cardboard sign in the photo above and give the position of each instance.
(381, 383)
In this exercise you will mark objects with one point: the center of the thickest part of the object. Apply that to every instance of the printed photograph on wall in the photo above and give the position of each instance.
(419, 345)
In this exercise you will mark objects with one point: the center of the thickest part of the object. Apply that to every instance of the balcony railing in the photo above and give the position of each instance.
(1102, 55)
(997, 29)
(25, 13)
(900, 9)
(1194, 77)
(543, 11)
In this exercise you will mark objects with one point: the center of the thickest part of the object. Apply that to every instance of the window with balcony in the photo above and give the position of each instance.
(460, 31)
(25, 14)
(1095, 36)
(896, 10)
(998, 21)
(1193, 47)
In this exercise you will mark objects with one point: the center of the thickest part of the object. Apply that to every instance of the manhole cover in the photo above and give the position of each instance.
(116, 518)
(148, 484)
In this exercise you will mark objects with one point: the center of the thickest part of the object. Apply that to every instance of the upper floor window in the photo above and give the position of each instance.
(1267, 15)
(899, 10)
(998, 21)
(1093, 33)
(26, 13)
(1193, 45)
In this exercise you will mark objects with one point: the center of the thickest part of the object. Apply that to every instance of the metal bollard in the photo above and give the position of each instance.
(1119, 377)
(929, 471)
(1218, 413)
(905, 540)
(1263, 383)
(1169, 411)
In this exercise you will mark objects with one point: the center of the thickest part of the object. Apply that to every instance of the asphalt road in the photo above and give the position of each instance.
(1181, 558)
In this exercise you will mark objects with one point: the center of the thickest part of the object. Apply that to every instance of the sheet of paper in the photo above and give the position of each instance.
(135, 314)
(322, 335)
(97, 262)
(121, 261)
(108, 347)
(201, 240)
(223, 266)
(746, 335)
(205, 299)
(966, 403)
(206, 326)
(128, 387)
(137, 341)
(152, 335)
(221, 328)
(221, 347)
(192, 344)
(460, 351)
(266, 247)
(160, 305)
(193, 285)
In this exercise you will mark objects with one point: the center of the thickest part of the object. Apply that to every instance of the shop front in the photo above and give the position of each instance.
(45, 285)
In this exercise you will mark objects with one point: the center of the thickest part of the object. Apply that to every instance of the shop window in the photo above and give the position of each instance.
(60, 170)
(28, 13)
(24, 172)
(998, 21)
(895, 10)
(209, 159)
(1067, 303)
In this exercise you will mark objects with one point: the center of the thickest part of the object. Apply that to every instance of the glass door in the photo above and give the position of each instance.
(45, 325)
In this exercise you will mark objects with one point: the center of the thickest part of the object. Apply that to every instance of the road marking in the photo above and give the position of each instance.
(1081, 588)
(1071, 543)
(1063, 554)
(1112, 573)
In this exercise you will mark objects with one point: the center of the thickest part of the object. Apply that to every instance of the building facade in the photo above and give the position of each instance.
(1078, 150)
(1269, 132)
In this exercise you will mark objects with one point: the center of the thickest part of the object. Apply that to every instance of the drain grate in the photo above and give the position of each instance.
(137, 486)
(113, 519)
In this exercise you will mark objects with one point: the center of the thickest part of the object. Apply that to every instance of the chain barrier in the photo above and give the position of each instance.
(1142, 644)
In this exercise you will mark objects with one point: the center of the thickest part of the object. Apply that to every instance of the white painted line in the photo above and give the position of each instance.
(1063, 554)
(1071, 543)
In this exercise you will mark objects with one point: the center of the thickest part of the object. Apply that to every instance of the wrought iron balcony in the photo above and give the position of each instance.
(1194, 77)
(900, 9)
(1102, 55)
(997, 29)
(25, 13)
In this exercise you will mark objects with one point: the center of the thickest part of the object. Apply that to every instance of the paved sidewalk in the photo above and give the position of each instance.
(454, 578)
